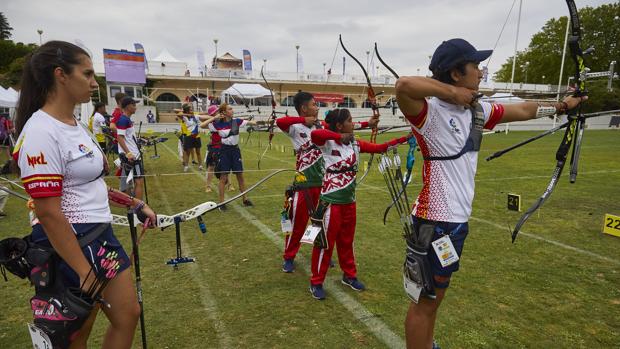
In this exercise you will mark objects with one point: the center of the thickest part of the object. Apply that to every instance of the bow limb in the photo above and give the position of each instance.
(372, 100)
(272, 118)
(575, 124)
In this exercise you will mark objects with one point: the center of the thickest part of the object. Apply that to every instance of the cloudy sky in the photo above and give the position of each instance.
(407, 32)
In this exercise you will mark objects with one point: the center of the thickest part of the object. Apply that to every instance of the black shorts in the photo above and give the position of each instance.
(190, 142)
(230, 160)
(138, 172)
(213, 157)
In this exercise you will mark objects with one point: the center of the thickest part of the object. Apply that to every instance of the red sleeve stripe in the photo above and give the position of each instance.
(41, 186)
(418, 120)
(497, 112)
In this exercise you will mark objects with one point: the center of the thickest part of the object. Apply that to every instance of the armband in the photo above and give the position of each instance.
(545, 111)
(120, 198)
(138, 207)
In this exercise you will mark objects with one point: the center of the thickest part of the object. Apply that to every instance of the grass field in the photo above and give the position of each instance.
(558, 286)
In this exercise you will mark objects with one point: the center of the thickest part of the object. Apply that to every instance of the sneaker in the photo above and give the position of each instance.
(248, 203)
(354, 283)
(331, 263)
(231, 188)
(223, 208)
(208, 189)
(288, 266)
(194, 162)
(200, 167)
(317, 291)
(185, 168)
(435, 345)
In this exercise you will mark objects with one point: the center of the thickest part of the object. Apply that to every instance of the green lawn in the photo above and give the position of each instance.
(556, 287)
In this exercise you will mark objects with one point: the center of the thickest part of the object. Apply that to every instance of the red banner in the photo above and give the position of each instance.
(328, 97)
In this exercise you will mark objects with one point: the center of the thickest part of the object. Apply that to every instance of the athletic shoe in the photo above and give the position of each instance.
(208, 189)
(231, 188)
(354, 283)
(248, 203)
(185, 168)
(435, 345)
(317, 291)
(223, 208)
(200, 167)
(194, 162)
(331, 263)
(288, 266)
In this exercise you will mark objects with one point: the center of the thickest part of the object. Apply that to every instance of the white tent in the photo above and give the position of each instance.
(247, 91)
(166, 64)
(8, 97)
(503, 98)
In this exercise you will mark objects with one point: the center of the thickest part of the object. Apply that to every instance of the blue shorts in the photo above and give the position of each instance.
(457, 232)
(69, 277)
(230, 160)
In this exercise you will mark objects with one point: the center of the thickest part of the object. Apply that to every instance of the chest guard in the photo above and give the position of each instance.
(474, 140)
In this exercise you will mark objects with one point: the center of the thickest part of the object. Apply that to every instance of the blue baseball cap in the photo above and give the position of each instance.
(454, 51)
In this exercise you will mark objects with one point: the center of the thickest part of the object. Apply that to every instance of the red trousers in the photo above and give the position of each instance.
(339, 224)
(298, 214)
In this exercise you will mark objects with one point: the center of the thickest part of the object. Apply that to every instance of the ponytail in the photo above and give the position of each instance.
(336, 116)
(38, 76)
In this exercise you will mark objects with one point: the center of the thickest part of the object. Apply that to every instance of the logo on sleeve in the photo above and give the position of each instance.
(36, 160)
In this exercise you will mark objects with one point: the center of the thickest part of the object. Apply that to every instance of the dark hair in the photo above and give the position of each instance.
(38, 76)
(444, 75)
(300, 99)
(118, 97)
(97, 106)
(186, 108)
(337, 116)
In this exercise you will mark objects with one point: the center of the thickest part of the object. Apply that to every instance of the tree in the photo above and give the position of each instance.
(5, 28)
(600, 29)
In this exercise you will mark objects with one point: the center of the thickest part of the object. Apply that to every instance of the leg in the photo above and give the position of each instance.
(344, 240)
(221, 187)
(321, 257)
(210, 170)
(241, 182)
(420, 320)
(81, 340)
(3, 197)
(299, 217)
(123, 313)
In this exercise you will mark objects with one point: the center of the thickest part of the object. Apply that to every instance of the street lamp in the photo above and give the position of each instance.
(526, 65)
(324, 64)
(40, 36)
(215, 58)
(367, 59)
(265, 64)
(297, 60)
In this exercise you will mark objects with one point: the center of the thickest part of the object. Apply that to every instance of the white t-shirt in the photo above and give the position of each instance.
(57, 159)
(441, 130)
(124, 127)
(98, 124)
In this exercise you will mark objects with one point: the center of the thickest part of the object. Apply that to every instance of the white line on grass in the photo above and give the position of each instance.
(208, 300)
(374, 324)
(543, 176)
(553, 242)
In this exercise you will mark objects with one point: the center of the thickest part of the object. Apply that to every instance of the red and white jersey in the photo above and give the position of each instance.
(442, 129)
(309, 157)
(56, 159)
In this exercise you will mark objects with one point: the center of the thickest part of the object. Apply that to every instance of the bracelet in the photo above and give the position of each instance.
(138, 207)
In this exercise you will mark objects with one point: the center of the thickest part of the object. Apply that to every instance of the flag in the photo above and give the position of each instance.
(140, 49)
(247, 60)
(200, 57)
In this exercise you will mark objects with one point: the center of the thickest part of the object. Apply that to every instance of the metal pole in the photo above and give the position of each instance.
(514, 59)
(557, 97)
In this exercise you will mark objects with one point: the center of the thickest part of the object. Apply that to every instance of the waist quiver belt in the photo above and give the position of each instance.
(317, 220)
(417, 273)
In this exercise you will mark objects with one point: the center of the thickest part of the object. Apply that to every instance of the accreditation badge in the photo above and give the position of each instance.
(445, 251)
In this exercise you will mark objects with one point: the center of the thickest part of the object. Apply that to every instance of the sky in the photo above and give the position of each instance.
(407, 32)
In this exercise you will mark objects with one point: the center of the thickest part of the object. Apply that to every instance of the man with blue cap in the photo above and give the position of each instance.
(447, 122)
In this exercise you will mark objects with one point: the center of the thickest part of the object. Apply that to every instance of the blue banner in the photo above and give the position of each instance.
(247, 60)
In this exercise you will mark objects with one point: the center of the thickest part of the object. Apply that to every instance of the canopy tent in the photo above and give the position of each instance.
(8, 97)
(166, 64)
(503, 98)
(247, 91)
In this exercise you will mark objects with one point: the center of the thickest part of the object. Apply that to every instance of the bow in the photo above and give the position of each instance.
(410, 154)
(372, 100)
(272, 117)
(576, 120)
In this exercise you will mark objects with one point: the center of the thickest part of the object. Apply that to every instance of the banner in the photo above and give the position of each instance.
(200, 57)
(328, 97)
(247, 60)
(140, 49)
(124, 67)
